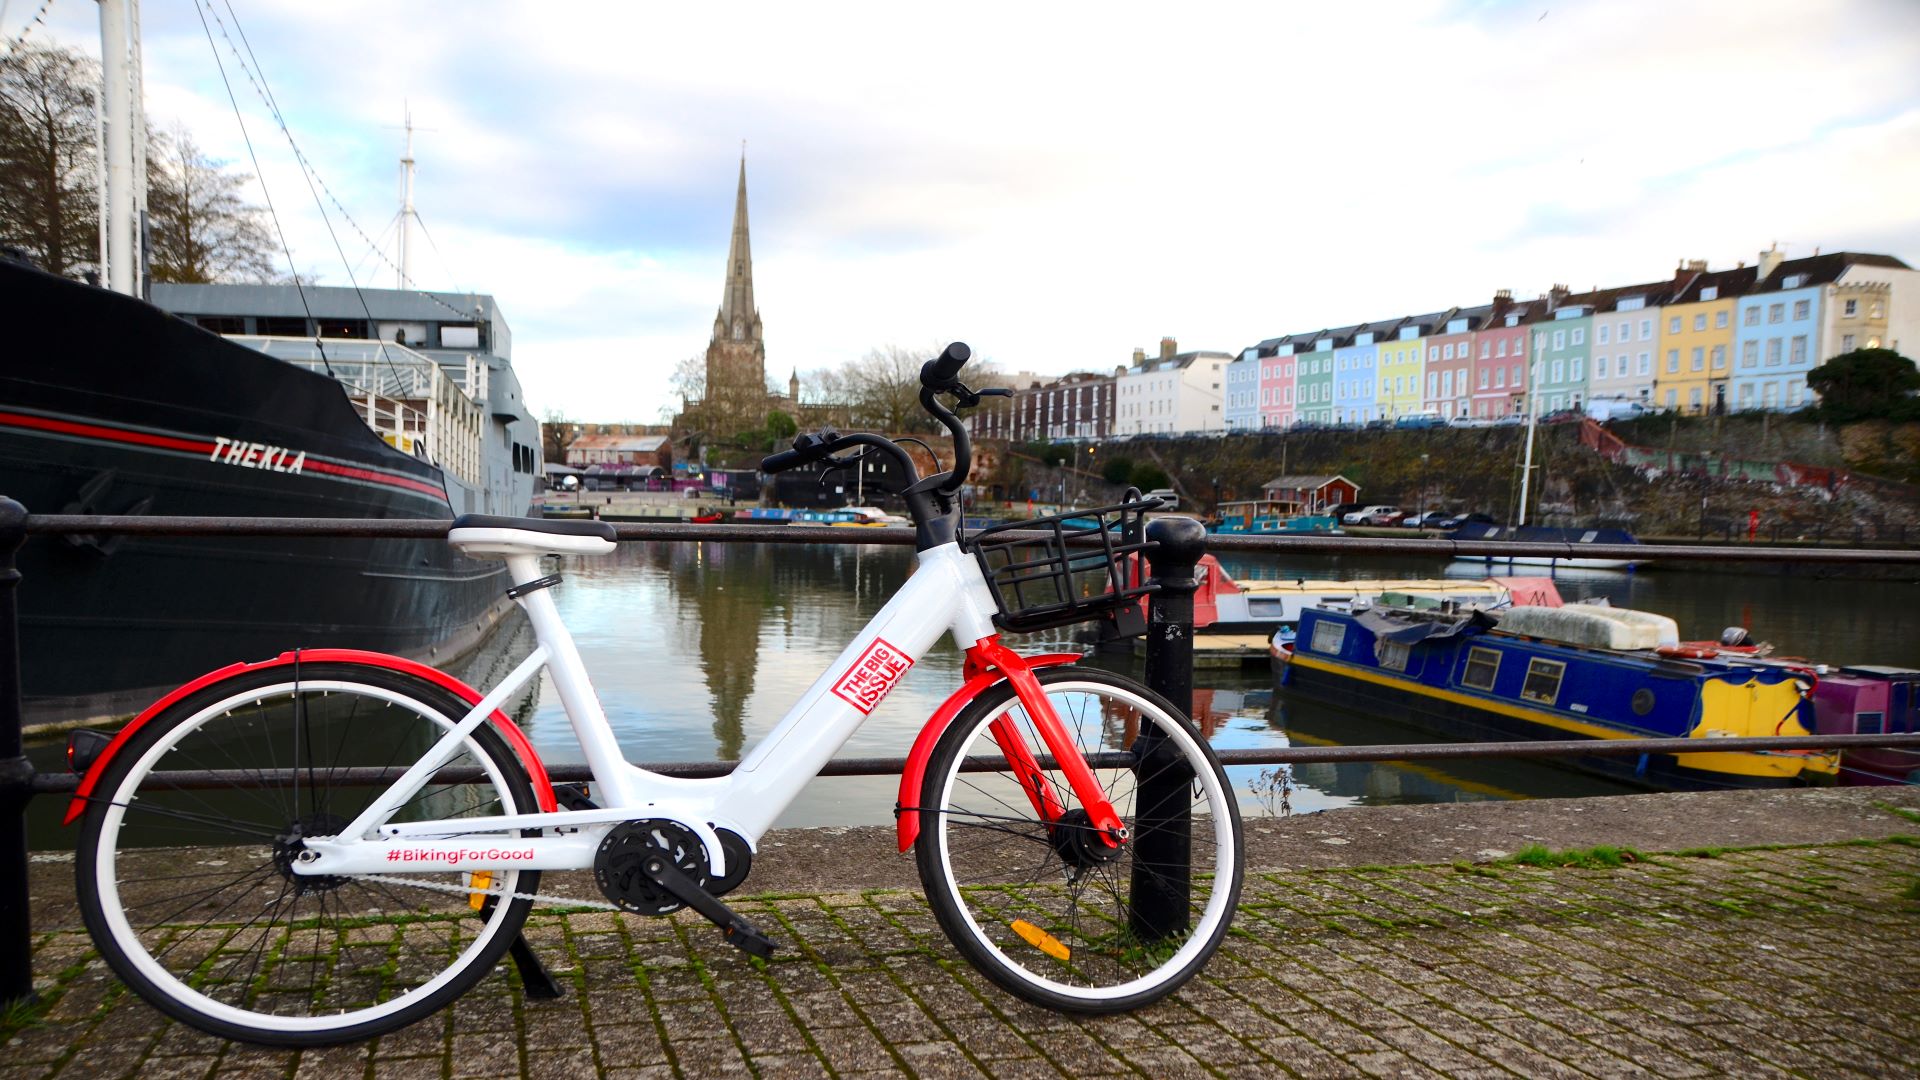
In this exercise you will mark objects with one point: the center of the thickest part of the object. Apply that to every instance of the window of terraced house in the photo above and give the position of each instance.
(1599, 367)
(1712, 292)
(1749, 353)
(1699, 358)
(1719, 357)
(1393, 654)
(1846, 342)
(1626, 332)
(1753, 316)
(1673, 361)
(1576, 369)
(1645, 363)
(1852, 308)
(1578, 337)
(1773, 352)
(1646, 329)
(1801, 308)
(1501, 350)
(1798, 354)
(1700, 321)
(1559, 339)
(1499, 378)
(1482, 666)
(1600, 334)
(1673, 325)
(1776, 313)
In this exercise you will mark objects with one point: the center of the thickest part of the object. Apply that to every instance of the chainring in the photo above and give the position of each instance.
(628, 845)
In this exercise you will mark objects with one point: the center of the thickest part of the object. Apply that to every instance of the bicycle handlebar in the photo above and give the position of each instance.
(939, 372)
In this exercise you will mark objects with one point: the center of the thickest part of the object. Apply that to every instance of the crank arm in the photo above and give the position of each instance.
(739, 933)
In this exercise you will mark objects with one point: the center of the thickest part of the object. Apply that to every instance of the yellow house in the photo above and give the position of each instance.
(1401, 365)
(1694, 358)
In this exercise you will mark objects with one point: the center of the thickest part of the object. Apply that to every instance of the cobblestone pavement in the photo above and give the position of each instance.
(1794, 961)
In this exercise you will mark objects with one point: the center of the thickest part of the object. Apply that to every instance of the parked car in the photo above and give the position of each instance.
(1454, 521)
(1420, 420)
(1365, 515)
(1429, 520)
(1339, 511)
(1469, 422)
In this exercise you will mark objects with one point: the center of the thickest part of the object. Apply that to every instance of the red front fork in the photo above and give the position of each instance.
(988, 654)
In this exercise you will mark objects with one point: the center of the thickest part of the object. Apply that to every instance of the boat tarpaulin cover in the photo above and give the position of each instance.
(1389, 626)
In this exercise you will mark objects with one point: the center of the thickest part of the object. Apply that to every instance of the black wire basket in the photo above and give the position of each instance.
(1076, 571)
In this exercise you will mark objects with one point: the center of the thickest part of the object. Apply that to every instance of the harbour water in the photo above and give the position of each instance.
(697, 650)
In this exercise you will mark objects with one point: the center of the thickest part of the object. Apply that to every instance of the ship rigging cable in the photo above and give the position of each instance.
(271, 212)
(258, 79)
(38, 18)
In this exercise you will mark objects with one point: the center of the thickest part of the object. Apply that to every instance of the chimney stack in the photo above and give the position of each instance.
(1139, 357)
(1770, 260)
(1167, 348)
(1557, 296)
(1502, 302)
(1698, 266)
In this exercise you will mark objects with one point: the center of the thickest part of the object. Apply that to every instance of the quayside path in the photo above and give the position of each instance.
(1757, 934)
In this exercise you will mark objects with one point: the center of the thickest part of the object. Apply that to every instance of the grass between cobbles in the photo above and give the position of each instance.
(1295, 912)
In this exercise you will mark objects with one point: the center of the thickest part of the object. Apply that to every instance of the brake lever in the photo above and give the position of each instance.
(964, 398)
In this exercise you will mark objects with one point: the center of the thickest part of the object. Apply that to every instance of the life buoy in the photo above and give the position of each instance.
(1690, 650)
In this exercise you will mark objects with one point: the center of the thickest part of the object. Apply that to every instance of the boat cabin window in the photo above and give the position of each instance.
(1869, 723)
(352, 329)
(1482, 666)
(1392, 654)
(1328, 636)
(222, 324)
(1543, 681)
(274, 326)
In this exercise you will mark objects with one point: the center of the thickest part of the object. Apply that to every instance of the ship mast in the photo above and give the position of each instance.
(122, 110)
(407, 213)
(1533, 415)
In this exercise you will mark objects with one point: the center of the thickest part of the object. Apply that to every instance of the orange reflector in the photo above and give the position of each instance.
(1041, 940)
(479, 881)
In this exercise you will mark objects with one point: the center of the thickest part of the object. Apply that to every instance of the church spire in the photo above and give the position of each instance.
(738, 317)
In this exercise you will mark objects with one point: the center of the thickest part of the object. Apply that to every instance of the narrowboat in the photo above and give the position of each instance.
(1578, 671)
(1871, 700)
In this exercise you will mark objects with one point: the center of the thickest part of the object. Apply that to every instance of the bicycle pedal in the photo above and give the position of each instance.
(574, 797)
(744, 936)
(739, 933)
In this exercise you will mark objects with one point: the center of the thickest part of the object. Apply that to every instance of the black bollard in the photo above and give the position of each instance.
(1163, 818)
(16, 775)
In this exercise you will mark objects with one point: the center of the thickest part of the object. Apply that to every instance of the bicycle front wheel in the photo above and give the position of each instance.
(1045, 908)
(184, 871)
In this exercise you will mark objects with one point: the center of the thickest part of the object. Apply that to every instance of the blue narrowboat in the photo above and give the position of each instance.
(1465, 676)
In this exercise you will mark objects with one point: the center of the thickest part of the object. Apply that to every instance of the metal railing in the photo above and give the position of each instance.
(1178, 546)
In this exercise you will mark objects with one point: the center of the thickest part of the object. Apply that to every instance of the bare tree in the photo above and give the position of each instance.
(557, 432)
(49, 195)
(203, 230)
(883, 389)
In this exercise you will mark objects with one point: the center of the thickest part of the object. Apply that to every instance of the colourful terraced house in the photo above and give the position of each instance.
(1402, 368)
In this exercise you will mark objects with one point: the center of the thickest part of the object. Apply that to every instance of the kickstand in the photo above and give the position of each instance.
(534, 976)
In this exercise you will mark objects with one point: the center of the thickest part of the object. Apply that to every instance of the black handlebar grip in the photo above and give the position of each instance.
(943, 368)
(785, 459)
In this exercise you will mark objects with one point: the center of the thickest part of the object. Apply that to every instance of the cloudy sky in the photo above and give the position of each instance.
(1054, 183)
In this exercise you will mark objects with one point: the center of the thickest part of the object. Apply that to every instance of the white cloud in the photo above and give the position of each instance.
(1058, 184)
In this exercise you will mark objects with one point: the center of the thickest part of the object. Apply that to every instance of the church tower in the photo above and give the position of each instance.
(737, 355)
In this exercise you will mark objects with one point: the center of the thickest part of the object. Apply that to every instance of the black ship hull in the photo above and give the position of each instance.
(110, 406)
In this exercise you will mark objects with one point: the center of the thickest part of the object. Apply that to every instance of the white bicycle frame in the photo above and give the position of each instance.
(945, 594)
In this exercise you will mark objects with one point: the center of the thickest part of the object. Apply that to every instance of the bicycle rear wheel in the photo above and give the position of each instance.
(1047, 910)
(185, 882)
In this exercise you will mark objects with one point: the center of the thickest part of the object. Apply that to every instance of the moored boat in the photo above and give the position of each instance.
(1573, 672)
(1546, 534)
(1871, 700)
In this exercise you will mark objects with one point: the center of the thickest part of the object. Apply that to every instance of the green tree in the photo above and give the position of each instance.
(1866, 384)
(49, 197)
(780, 425)
(1117, 470)
(1147, 477)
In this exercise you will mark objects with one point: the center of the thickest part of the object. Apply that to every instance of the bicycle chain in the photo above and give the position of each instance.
(467, 890)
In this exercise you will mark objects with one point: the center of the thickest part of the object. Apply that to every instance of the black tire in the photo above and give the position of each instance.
(1013, 895)
(382, 955)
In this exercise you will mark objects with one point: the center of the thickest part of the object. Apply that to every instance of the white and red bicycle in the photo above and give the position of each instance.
(245, 867)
